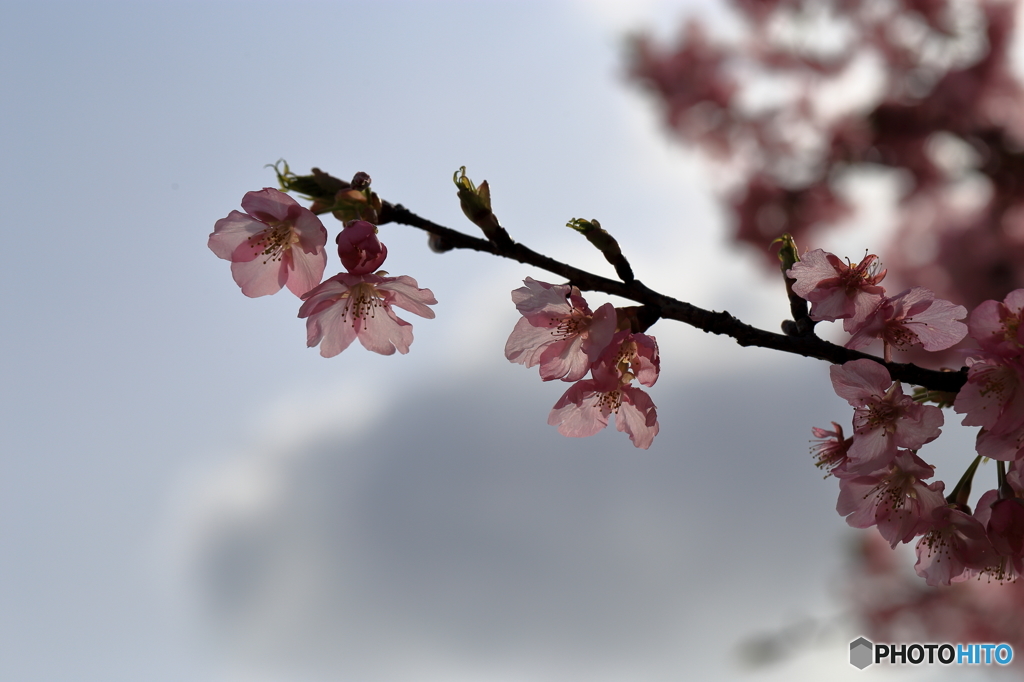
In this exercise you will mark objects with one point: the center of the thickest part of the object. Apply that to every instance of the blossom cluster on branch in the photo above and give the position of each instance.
(602, 352)
(881, 476)
(559, 332)
(277, 242)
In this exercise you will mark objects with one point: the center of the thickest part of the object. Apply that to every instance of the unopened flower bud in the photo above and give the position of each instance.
(360, 180)
(360, 250)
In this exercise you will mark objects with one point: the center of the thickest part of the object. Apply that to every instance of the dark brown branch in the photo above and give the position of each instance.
(670, 308)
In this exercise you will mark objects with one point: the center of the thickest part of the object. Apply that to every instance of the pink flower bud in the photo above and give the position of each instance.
(360, 251)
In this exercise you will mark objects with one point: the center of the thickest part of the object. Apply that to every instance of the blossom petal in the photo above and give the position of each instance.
(304, 270)
(637, 416)
(270, 204)
(383, 333)
(406, 294)
(232, 232)
(577, 413)
(859, 380)
(256, 279)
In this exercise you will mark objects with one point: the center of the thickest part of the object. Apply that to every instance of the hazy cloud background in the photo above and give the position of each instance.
(187, 492)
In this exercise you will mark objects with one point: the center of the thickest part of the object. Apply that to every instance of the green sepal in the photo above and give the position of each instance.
(476, 204)
(788, 254)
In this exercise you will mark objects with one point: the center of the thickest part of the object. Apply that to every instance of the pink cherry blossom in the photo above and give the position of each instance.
(997, 326)
(347, 306)
(631, 356)
(830, 451)
(837, 290)
(360, 250)
(956, 544)
(912, 318)
(584, 410)
(1004, 527)
(558, 331)
(884, 419)
(993, 398)
(895, 499)
(276, 242)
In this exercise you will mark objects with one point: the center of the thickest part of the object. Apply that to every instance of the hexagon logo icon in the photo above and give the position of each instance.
(861, 651)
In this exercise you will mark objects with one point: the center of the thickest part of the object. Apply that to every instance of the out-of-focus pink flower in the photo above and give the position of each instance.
(837, 290)
(276, 242)
(360, 250)
(912, 318)
(830, 452)
(895, 500)
(558, 331)
(695, 74)
(347, 306)
(956, 544)
(884, 419)
(767, 210)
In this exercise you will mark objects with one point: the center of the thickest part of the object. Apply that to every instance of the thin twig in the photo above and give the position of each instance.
(670, 308)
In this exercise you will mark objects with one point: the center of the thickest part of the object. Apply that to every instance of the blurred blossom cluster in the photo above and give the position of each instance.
(945, 119)
(947, 116)
(893, 605)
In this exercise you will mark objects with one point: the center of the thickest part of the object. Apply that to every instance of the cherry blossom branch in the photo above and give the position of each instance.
(723, 323)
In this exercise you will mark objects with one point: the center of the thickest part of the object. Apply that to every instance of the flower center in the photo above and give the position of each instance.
(610, 400)
(892, 491)
(883, 414)
(899, 336)
(363, 302)
(571, 325)
(273, 242)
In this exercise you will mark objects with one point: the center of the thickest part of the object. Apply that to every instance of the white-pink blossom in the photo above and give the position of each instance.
(912, 318)
(1003, 519)
(558, 331)
(997, 326)
(630, 356)
(830, 450)
(275, 243)
(346, 307)
(884, 419)
(585, 408)
(956, 545)
(837, 290)
(896, 500)
(993, 398)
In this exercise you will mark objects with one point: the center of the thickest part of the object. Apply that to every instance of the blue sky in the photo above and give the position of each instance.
(187, 492)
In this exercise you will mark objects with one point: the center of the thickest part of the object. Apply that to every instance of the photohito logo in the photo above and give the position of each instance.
(863, 653)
